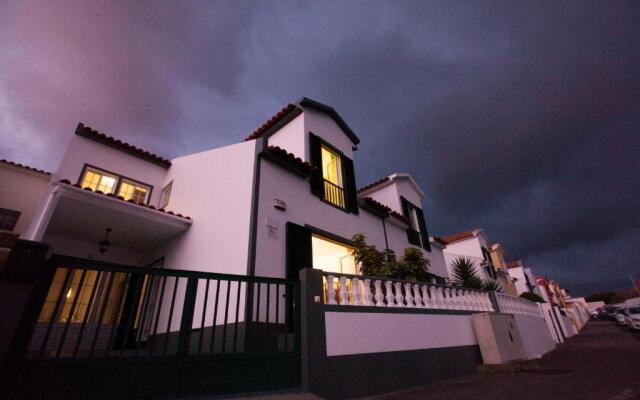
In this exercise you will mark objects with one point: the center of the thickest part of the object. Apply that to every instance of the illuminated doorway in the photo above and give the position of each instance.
(331, 256)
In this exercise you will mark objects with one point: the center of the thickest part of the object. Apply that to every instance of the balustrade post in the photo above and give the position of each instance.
(447, 298)
(343, 297)
(440, 297)
(355, 288)
(462, 300)
(390, 299)
(366, 297)
(399, 296)
(416, 296)
(408, 296)
(331, 290)
(379, 296)
(425, 297)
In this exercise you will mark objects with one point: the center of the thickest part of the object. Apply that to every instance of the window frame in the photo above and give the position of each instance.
(409, 209)
(164, 193)
(8, 214)
(119, 179)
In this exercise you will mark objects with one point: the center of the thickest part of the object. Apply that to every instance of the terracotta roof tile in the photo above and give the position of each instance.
(514, 264)
(67, 182)
(25, 167)
(370, 202)
(283, 157)
(459, 236)
(439, 240)
(374, 184)
(89, 133)
(288, 109)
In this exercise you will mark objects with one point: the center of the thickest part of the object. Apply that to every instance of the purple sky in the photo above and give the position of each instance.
(522, 118)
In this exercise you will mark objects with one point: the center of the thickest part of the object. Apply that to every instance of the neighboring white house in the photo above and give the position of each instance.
(474, 246)
(524, 278)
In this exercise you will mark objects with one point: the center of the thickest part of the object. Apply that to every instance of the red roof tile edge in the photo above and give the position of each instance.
(458, 236)
(15, 164)
(290, 158)
(375, 204)
(271, 122)
(439, 240)
(111, 195)
(374, 184)
(90, 133)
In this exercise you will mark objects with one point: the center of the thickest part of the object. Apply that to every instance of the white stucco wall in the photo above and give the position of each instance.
(305, 208)
(438, 262)
(361, 333)
(22, 190)
(83, 151)
(470, 248)
(521, 281)
(292, 137)
(214, 188)
(324, 126)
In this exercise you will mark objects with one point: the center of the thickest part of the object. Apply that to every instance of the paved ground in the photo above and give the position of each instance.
(600, 363)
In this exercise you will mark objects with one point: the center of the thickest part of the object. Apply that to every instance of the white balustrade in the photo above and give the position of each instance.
(379, 295)
(416, 296)
(425, 296)
(366, 297)
(343, 297)
(390, 298)
(399, 296)
(355, 288)
(331, 290)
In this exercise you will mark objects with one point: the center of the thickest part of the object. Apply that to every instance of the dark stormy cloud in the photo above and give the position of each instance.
(522, 118)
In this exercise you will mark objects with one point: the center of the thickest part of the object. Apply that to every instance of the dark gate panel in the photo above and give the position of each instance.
(108, 330)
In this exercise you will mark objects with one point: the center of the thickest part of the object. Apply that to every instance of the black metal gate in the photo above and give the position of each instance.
(111, 331)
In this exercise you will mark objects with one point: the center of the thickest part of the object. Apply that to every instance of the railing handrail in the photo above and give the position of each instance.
(381, 278)
(60, 261)
(333, 184)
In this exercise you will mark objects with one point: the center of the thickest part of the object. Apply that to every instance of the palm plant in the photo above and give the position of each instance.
(491, 285)
(464, 273)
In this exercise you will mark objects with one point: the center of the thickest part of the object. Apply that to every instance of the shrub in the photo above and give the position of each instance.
(411, 266)
(532, 297)
(464, 273)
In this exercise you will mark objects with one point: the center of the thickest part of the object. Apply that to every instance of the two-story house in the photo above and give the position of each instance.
(282, 200)
(504, 279)
(524, 278)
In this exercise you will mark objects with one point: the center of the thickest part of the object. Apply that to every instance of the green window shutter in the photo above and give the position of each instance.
(413, 236)
(423, 230)
(299, 255)
(350, 191)
(316, 181)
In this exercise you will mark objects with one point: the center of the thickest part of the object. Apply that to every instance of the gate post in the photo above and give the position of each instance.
(313, 341)
(24, 282)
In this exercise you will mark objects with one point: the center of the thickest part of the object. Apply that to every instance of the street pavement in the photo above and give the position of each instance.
(600, 363)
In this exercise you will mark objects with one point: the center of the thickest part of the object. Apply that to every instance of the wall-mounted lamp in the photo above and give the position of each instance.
(105, 244)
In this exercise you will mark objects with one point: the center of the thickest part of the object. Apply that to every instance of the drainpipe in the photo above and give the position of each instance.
(384, 229)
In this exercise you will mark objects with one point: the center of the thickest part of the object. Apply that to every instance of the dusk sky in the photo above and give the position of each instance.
(521, 118)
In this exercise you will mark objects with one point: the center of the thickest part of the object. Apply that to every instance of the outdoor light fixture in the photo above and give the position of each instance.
(105, 244)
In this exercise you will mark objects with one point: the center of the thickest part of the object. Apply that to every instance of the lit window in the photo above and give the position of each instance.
(133, 191)
(82, 299)
(331, 256)
(332, 175)
(99, 180)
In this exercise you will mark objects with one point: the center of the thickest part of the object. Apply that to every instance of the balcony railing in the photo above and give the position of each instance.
(354, 290)
(517, 305)
(334, 194)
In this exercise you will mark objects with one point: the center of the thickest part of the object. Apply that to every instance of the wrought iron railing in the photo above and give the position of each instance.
(97, 309)
(334, 194)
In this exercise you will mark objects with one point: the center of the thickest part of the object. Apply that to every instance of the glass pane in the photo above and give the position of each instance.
(332, 257)
(131, 191)
(331, 167)
(52, 295)
(107, 184)
(82, 303)
(90, 180)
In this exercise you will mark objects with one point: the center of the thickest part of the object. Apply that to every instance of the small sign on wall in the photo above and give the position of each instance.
(280, 204)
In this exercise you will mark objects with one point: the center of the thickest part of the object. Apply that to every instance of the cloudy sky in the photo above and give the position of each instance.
(522, 118)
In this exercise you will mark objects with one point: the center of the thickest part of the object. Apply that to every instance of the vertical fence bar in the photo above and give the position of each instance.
(277, 313)
(235, 330)
(54, 315)
(173, 302)
(87, 312)
(268, 311)
(215, 317)
(204, 313)
(71, 310)
(226, 313)
(117, 320)
(103, 308)
(160, 299)
(145, 309)
(186, 322)
(131, 317)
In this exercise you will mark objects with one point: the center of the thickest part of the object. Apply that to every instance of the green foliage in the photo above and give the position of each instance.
(532, 297)
(464, 273)
(411, 266)
(491, 285)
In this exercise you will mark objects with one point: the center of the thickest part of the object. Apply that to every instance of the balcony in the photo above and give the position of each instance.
(334, 194)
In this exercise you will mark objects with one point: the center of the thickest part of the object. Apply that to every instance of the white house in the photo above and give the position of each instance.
(524, 278)
(473, 245)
